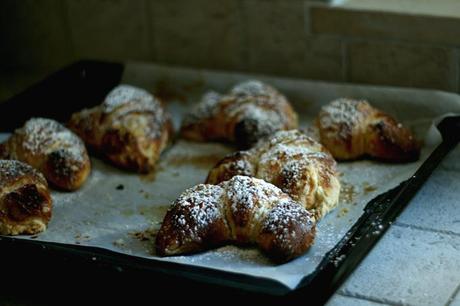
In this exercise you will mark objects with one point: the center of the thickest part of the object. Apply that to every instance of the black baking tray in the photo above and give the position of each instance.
(85, 84)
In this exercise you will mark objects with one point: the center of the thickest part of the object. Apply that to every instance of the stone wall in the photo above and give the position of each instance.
(294, 38)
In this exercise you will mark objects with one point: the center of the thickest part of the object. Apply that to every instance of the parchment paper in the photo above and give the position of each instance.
(121, 211)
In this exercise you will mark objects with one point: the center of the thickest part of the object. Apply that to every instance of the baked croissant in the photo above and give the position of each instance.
(130, 128)
(353, 128)
(250, 111)
(292, 161)
(25, 201)
(242, 211)
(52, 149)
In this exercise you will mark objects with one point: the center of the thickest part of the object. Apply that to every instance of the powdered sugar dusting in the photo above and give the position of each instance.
(283, 152)
(43, 136)
(265, 120)
(123, 94)
(297, 164)
(126, 99)
(250, 110)
(342, 115)
(281, 218)
(196, 209)
(251, 194)
(206, 108)
(11, 170)
(253, 88)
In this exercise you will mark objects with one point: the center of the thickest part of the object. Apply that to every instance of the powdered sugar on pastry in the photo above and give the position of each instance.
(297, 164)
(42, 136)
(11, 170)
(200, 204)
(253, 88)
(130, 128)
(206, 108)
(353, 128)
(249, 111)
(342, 115)
(123, 94)
(241, 210)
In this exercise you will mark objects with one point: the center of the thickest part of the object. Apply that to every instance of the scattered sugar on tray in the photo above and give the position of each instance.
(248, 255)
(348, 193)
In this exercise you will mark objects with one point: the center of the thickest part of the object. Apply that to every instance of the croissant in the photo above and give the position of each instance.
(353, 128)
(52, 149)
(130, 128)
(242, 211)
(250, 111)
(25, 201)
(292, 161)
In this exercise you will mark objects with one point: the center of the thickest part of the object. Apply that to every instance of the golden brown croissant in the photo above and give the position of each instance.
(353, 128)
(292, 161)
(52, 149)
(25, 201)
(250, 111)
(130, 128)
(242, 210)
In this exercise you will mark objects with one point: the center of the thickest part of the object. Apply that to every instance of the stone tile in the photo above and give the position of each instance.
(456, 300)
(405, 65)
(278, 42)
(201, 33)
(385, 25)
(110, 30)
(33, 34)
(340, 300)
(436, 205)
(408, 266)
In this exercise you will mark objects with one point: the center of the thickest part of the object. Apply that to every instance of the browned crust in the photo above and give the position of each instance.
(281, 247)
(173, 238)
(233, 119)
(66, 173)
(372, 133)
(25, 201)
(282, 228)
(390, 141)
(55, 159)
(292, 161)
(129, 136)
(237, 163)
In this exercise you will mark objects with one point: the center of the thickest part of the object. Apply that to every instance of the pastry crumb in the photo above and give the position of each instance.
(119, 242)
(368, 188)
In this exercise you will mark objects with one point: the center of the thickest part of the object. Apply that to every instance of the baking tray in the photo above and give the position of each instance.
(85, 84)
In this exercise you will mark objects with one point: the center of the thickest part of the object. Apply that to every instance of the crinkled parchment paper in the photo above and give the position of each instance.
(121, 211)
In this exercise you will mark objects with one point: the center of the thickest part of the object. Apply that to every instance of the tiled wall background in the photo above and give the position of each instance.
(295, 38)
